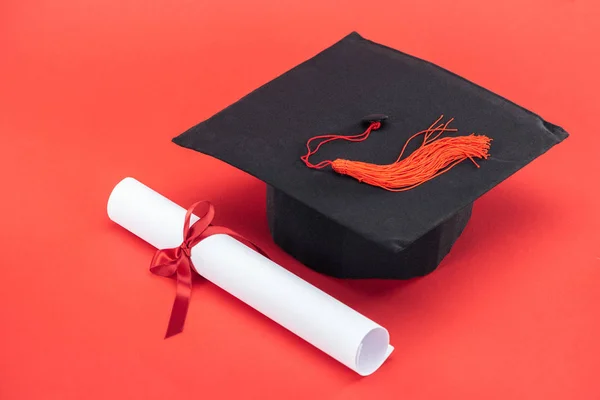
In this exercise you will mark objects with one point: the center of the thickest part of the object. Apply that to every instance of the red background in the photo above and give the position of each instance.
(93, 91)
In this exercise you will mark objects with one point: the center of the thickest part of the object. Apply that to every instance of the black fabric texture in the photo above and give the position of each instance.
(327, 247)
(334, 223)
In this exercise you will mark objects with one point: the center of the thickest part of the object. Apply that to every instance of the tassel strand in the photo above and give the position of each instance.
(434, 157)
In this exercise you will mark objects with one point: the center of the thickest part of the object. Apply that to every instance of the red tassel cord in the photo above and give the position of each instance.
(434, 157)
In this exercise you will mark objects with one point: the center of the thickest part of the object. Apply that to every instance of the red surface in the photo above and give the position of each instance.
(92, 91)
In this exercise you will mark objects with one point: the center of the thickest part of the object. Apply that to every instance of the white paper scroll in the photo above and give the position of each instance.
(310, 313)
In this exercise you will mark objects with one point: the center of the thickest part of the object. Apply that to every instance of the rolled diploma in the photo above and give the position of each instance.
(331, 326)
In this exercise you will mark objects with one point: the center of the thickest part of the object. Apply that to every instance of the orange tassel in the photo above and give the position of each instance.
(433, 158)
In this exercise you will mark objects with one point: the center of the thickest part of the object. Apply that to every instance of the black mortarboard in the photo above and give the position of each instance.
(336, 224)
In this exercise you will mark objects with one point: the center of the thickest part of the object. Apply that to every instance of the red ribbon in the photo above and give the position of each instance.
(177, 261)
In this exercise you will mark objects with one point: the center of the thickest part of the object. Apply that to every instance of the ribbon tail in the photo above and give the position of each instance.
(182, 298)
(221, 230)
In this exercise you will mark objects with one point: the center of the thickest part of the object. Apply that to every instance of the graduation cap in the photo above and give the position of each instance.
(381, 196)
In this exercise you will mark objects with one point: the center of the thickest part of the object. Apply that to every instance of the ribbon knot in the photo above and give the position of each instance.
(186, 249)
(177, 261)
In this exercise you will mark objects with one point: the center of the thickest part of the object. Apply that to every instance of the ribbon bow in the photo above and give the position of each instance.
(177, 261)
